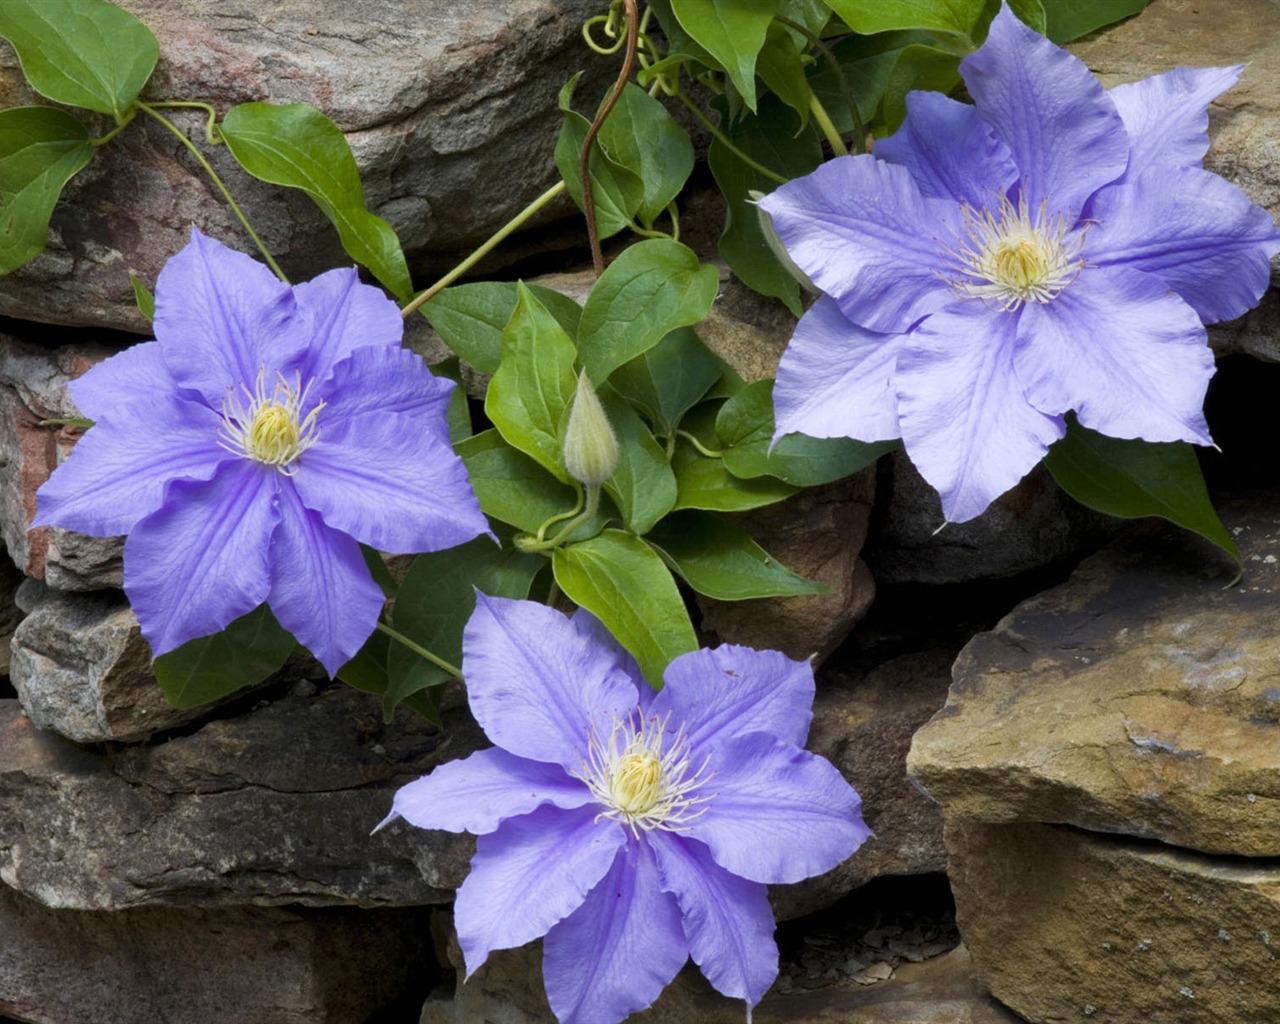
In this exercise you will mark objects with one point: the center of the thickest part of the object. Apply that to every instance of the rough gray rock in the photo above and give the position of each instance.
(1071, 927)
(83, 670)
(265, 965)
(1139, 697)
(272, 807)
(450, 108)
(863, 724)
(1033, 525)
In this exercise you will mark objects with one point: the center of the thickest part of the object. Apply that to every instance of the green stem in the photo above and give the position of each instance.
(121, 125)
(724, 141)
(577, 507)
(828, 127)
(699, 446)
(593, 505)
(493, 242)
(859, 132)
(419, 650)
(210, 126)
(146, 108)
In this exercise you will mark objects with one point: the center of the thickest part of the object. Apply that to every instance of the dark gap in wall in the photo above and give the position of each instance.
(1242, 406)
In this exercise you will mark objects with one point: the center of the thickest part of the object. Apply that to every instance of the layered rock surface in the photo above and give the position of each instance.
(450, 110)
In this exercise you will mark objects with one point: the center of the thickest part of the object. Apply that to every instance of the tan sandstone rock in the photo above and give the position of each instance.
(1071, 927)
(1141, 697)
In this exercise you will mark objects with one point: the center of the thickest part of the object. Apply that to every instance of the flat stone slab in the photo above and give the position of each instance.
(1071, 927)
(1141, 697)
(265, 965)
(274, 806)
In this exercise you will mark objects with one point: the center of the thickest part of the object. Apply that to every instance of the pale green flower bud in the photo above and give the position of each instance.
(590, 446)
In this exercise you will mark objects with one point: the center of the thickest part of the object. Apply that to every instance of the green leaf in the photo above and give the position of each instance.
(514, 489)
(1070, 19)
(651, 289)
(667, 380)
(85, 53)
(623, 583)
(458, 414)
(209, 668)
(917, 67)
(775, 139)
(297, 146)
(529, 395)
(618, 192)
(146, 302)
(870, 16)
(1129, 479)
(437, 598)
(703, 482)
(732, 31)
(866, 63)
(640, 135)
(470, 318)
(721, 560)
(1030, 12)
(643, 486)
(40, 149)
(367, 672)
(745, 427)
(782, 69)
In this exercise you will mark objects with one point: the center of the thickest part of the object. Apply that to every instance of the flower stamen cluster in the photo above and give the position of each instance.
(271, 428)
(1011, 258)
(641, 784)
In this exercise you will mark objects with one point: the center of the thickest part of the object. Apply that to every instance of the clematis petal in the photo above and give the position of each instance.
(339, 316)
(389, 484)
(220, 317)
(1195, 232)
(118, 471)
(533, 871)
(594, 632)
(321, 588)
(537, 682)
(387, 381)
(728, 922)
(1130, 357)
(966, 422)
(200, 562)
(480, 792)
(950, 151)
(1043, 103)
(836, 379)
(779, 813)
(136, 375)
(1167, 116)
(724, 692)
(864, 234)
(619, 950)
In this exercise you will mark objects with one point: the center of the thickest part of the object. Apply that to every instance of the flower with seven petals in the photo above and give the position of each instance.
(1054, 247)
(630, 828)
(251, 449)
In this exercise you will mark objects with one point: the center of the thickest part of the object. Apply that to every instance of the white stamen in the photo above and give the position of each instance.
(271, 428)
(642, 775)
(1010, 258)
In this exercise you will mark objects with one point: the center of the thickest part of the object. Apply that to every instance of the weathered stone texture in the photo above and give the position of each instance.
(863, 725)
(819, 534)
(943, 990)
(451, 112)
(239, 965)
(275, 806)
(1071, 927)
(1033, 525)
(1140, 697)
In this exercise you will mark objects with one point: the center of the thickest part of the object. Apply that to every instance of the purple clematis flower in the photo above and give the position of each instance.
(1054, 247)
(250, 449)
(631, 829)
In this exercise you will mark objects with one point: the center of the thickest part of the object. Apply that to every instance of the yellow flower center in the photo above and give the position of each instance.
(269, 427)
(1010, 257)
(643, 776)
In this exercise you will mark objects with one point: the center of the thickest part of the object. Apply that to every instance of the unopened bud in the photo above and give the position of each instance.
(590, 447)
